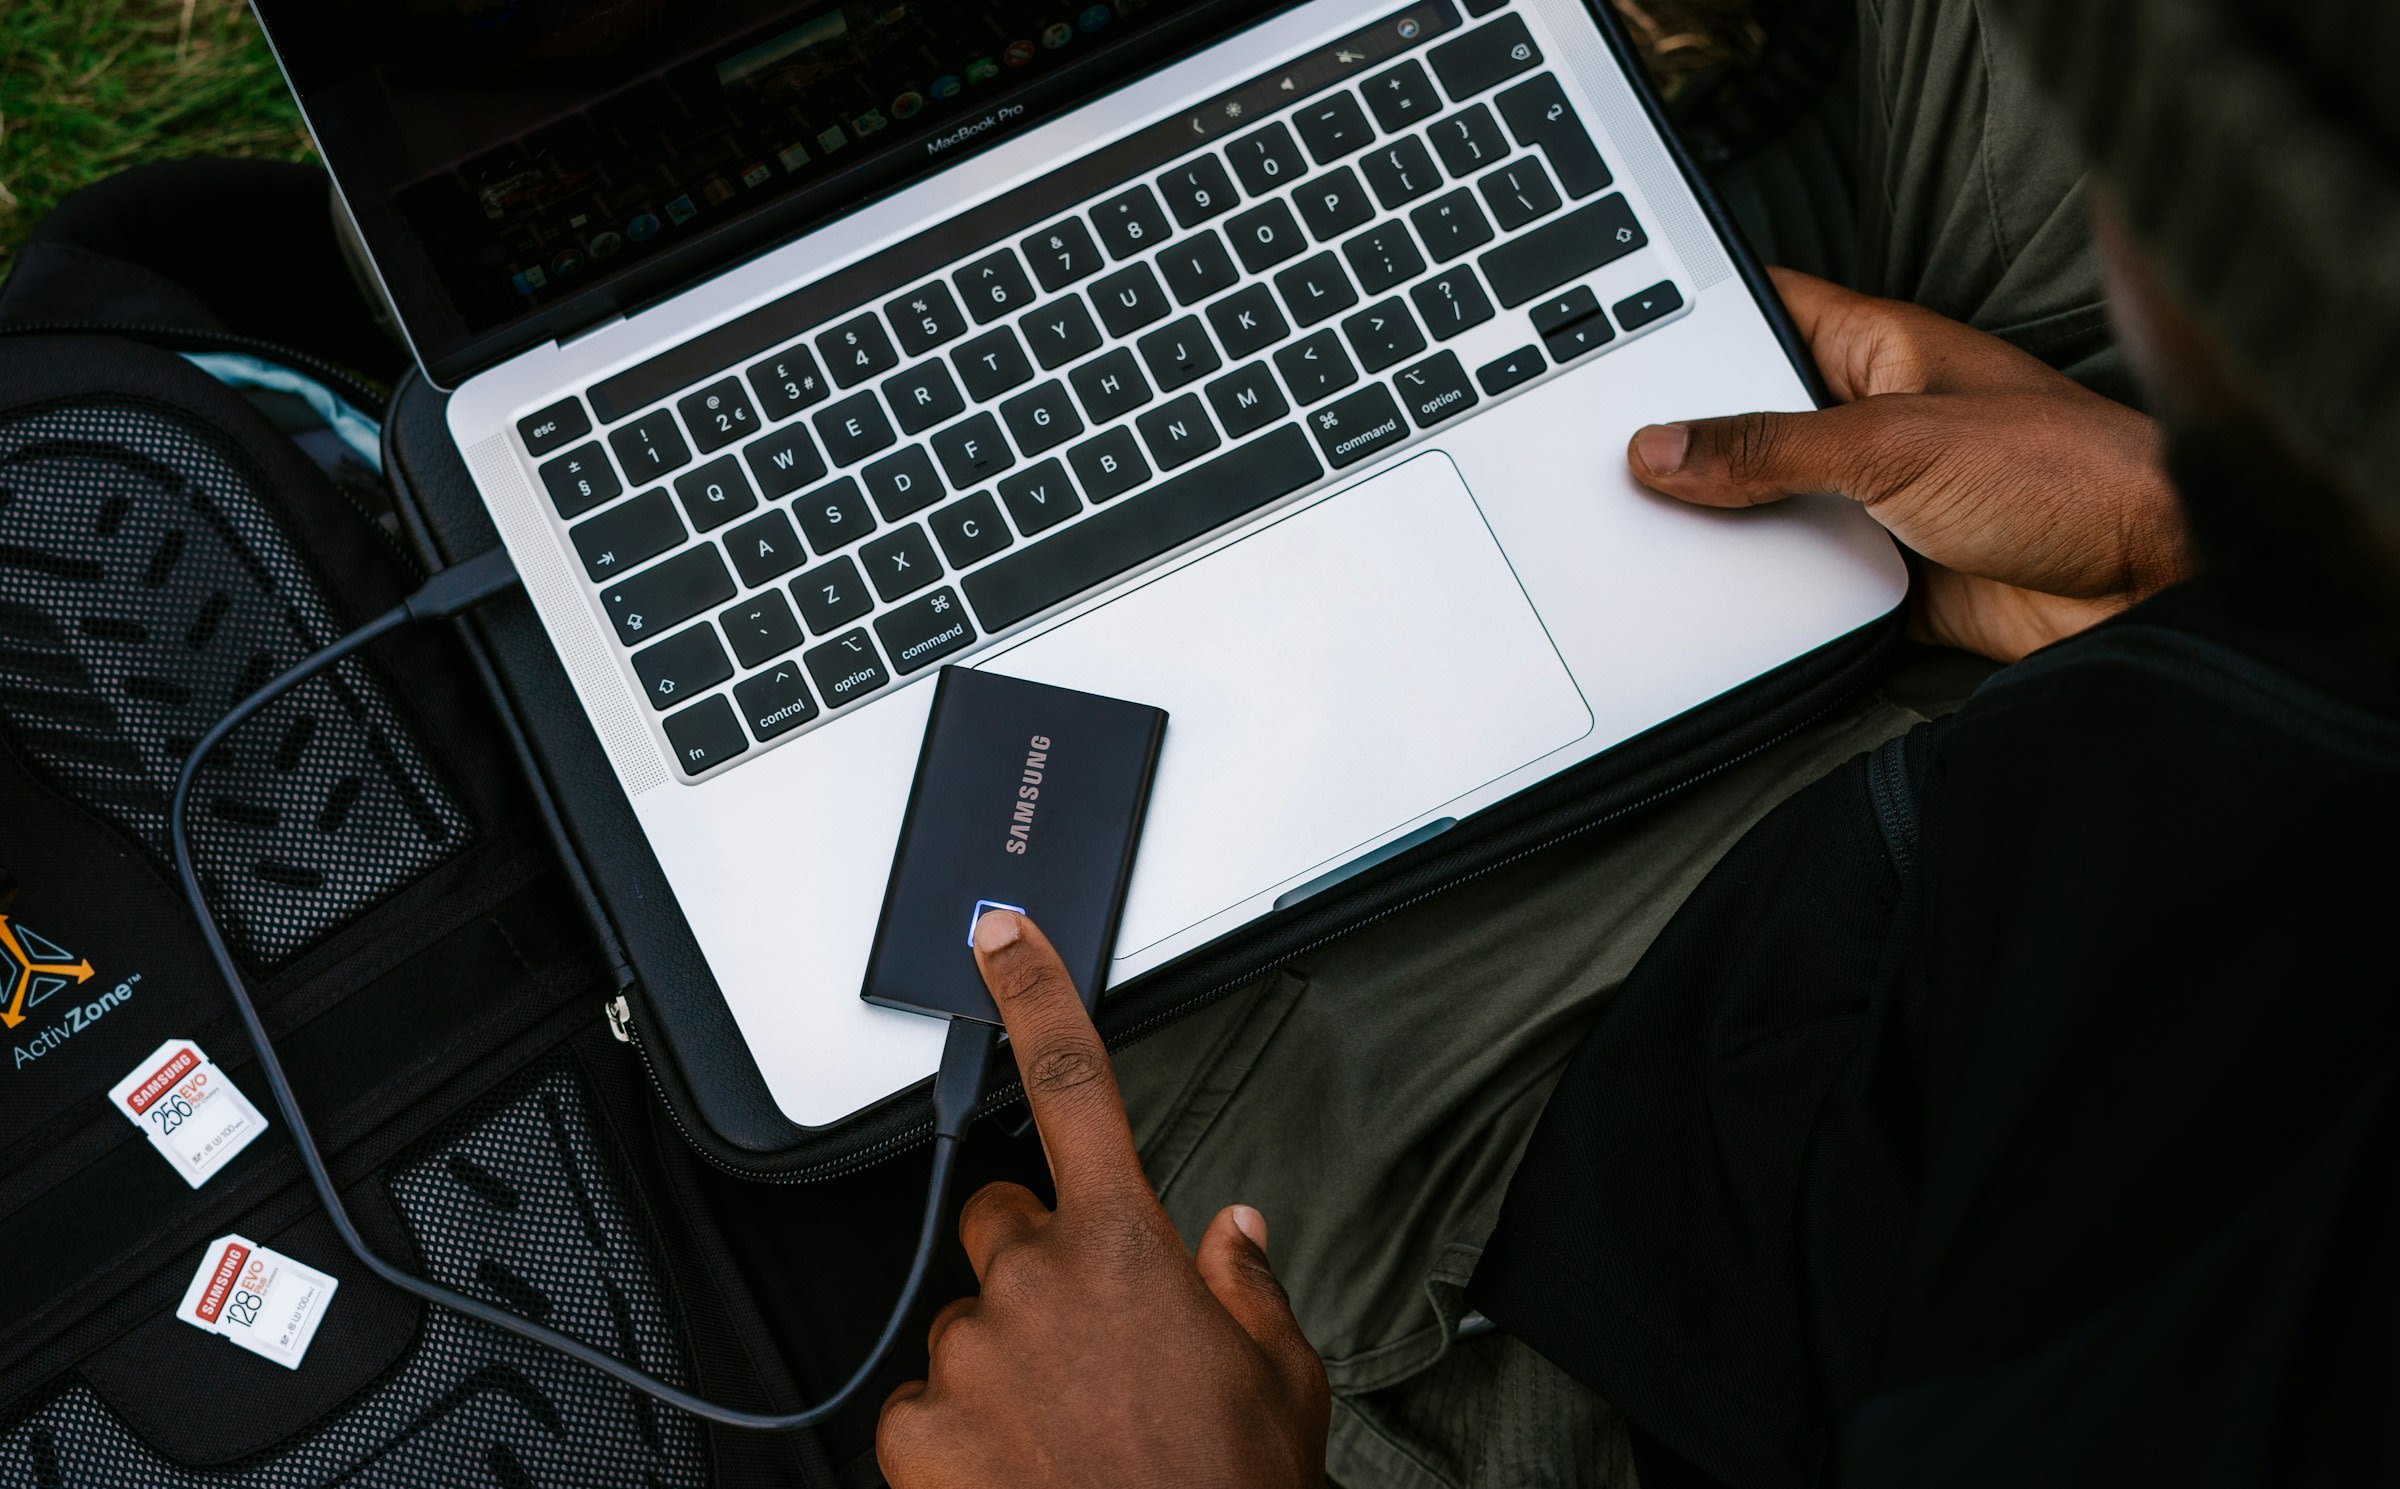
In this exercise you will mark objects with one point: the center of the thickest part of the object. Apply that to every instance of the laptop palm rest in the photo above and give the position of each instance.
(1328, 679)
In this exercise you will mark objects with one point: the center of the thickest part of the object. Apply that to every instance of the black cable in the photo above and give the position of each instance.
(965, 1054)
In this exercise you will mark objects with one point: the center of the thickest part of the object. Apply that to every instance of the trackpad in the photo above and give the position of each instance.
(1328, 678)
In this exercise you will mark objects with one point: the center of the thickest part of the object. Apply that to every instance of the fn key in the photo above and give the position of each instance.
(705, 735)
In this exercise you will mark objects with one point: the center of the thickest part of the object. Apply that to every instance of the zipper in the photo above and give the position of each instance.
(621, 1023)
(357, 389)
(1895, 803)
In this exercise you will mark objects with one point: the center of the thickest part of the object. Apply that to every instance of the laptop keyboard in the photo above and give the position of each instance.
(783, 536)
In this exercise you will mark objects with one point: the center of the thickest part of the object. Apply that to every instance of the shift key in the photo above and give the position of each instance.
(653, 601)
(1565, 248)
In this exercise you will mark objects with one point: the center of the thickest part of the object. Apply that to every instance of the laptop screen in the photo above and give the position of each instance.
(521, 169)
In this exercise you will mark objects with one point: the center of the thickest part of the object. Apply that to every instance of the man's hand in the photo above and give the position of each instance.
(1099, 1353)
(2037, 506)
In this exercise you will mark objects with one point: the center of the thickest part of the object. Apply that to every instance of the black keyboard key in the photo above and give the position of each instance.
(1484, 56)
(650, 446)
(922, 396)
(1382, 334)
(667, 594)
(846, 668)
(991, 364)
(900, 563)
(1060, 332)
(1178, 433)
(1451, 302)
(1110, 385)
(1539, 115)
(1040, 496)
(1333, 204)
(1316, 367)
(1469, 140)
(717, 415)
(553, 428)
(1129, 299)
(1265, 236)
(1315, 288)
(1362, 425)
(1063, 254)
(1248, 321)
(1452, 225)
(1401, 172)
(1198, 190)
(764, 547)
(784, 461)
(831, 595)
(1131, 222)
(1197, 268)
(705, 736)
(626, 535)
(1382, 256)
(834, 514)
(1571, 341)
(993, 286)
(1504, 373)
(1178, 353)
(970, 529)
(1266, 159)
(787, 383)
(1092, 552)
(1401, 96)
(580, 480)
(853, 429)
(973, 451)
(1477, 9)
(1655, 303)
(1518, 193)
(714, 494)
(1247, 399)
(1563, 309)
(1110, 464)
(1332, 127)
(760, 628)
(924, 318)
(1435, 389)
(922, 632)
(775, 702)
(901, 483)
(857, 350)
(1041, 417)
(1564, 248)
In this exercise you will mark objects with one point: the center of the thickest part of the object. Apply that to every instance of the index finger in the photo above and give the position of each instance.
(1068, 1079)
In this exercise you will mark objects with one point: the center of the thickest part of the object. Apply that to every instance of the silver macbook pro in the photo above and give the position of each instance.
(1269, 363)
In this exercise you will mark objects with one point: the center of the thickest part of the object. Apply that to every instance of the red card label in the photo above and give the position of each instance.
(229, 1267)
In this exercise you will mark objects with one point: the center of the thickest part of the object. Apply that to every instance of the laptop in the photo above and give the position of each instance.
(1269, 363)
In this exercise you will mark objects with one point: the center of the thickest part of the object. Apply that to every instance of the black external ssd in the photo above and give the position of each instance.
(1028, 797)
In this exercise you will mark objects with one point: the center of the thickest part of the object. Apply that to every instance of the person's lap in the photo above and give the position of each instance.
(1372, 1100)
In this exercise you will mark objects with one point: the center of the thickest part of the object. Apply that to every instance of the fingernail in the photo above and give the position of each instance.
(1662, 447)
(1252, 1224)
(998, 930)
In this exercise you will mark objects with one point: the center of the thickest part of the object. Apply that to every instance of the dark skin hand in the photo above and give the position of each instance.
(2034, 506)
(1100, 1351)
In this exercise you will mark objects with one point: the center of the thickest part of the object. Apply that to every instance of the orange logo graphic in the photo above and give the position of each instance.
(32, 967)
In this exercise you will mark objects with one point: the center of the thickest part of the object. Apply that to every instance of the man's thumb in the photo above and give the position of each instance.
(1750, 459)
(1233, 1262)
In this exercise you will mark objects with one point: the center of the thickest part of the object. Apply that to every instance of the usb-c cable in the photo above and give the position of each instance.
(956, 1089)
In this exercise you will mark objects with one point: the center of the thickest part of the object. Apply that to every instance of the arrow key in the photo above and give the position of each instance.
(1655, 303)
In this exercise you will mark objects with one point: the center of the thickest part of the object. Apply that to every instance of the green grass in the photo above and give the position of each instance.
(89, 87)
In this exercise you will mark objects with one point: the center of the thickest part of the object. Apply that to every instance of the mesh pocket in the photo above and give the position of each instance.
(516, 1201)
(144, 589)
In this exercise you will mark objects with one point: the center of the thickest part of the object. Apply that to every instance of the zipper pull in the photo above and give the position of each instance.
(620, 1019)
